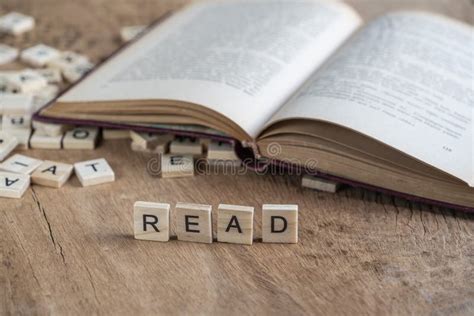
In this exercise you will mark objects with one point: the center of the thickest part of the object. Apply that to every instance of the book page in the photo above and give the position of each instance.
(406, 80)
(242, 59)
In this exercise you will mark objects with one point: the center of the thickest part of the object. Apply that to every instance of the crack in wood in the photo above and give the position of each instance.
(42, 210)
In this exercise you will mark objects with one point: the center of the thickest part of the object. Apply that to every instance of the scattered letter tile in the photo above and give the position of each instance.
(50, 129)
(221, 151)
(23, 137)
(52, 174)
(20, 164)
(94, 172)
(38, 141)
(76, 72)
(16, 122)
(320, 184)
(26, 82)
(7, 54)
(235, 224)
(52, 75)
(151, 221)
(280, 223)
(194, 222)
(16, 23)
(7, 144)
(13, 185)
(174, 166)
(111, 133)
(39, 55)
(67, 60)
(81, 138)
(186, 146)
(16, 104)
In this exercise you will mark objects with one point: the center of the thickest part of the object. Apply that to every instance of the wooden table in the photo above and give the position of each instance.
(71, 251)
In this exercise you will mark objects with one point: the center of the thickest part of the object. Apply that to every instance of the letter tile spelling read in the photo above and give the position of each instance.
(280, 223)
(235, 224)
(151, 221)
(194, 222)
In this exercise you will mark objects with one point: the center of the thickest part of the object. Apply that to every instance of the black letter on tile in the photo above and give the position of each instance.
(188, 223)
(152, 223)
(80, 134)
(9, 182)
(93, 166)
(51, 169)
(235, 225)
(285, 224)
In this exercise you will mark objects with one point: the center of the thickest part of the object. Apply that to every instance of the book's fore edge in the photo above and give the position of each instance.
(159, 20)
(353, 183)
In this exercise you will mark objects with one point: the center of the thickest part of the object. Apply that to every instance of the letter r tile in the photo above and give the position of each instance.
(151, 221)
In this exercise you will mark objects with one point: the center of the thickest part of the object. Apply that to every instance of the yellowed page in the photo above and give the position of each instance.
(242, 59)
(406, 80)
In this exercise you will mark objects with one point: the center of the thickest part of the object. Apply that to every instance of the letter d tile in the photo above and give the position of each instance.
(280, 223)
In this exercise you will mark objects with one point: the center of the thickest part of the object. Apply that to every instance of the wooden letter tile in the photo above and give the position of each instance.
(20, 164)
(194, 222)
(16, 23)
(16, 122)
(44, 96)
(23, 137)
(26, 81)
(235, 224)
(47, 129)
(221, 151)
(185, 146)
(16, 104)
(94, 172)
(174, 166)
(38, 141)
(39, 55)
(52, 75)
(320, 184)
(280, 223)
(67, 60)
(13, 185)
(81, 138)
(76, 72)
(52, 174)
(7, 54)
(7, 144)
(151, 221)
(111, 133)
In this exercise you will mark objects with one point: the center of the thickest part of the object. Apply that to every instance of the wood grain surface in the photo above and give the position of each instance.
(71, 251)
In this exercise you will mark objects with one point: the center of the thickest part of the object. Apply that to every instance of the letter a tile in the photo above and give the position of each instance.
(52, 174)
(235, 224)
(13, 185)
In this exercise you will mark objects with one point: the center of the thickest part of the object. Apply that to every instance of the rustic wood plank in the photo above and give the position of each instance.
(71, 251)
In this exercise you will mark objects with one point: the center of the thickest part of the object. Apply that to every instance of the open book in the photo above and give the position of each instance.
(389, 104)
